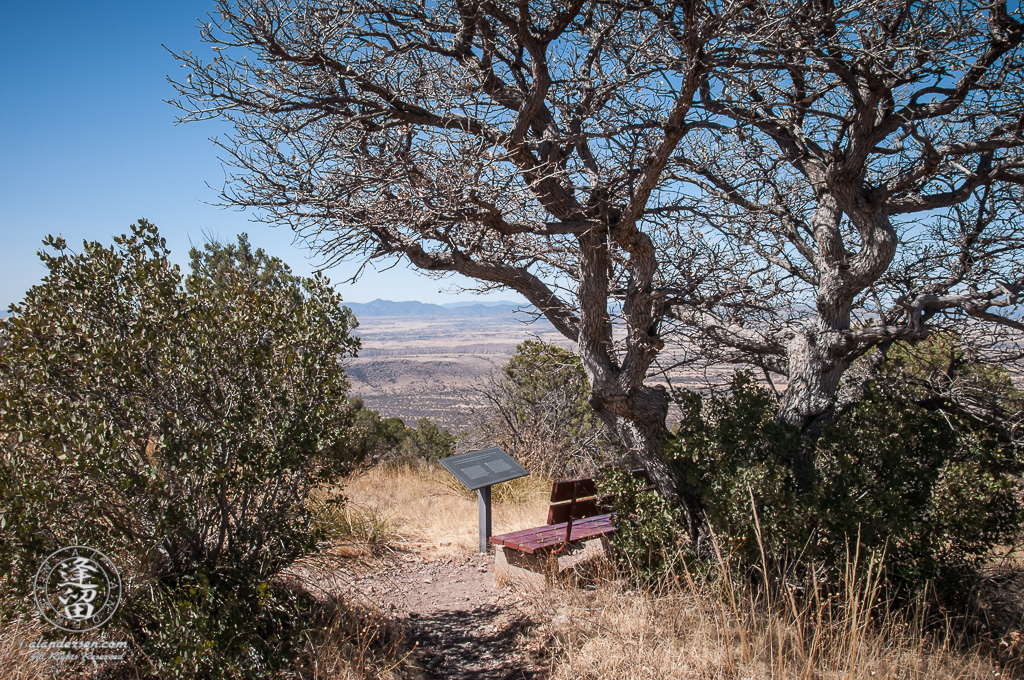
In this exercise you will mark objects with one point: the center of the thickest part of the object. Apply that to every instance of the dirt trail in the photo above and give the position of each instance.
(459, 624)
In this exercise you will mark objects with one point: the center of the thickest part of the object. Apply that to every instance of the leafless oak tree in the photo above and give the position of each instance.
(523, 145)
(741, 173)
(866, 182)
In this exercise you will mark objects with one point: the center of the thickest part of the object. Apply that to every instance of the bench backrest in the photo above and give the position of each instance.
(575, 499)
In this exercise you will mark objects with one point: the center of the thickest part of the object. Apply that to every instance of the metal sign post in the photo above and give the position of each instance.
(478, 471)
(484, 506)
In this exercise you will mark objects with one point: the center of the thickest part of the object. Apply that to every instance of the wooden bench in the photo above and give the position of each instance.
(578, 522)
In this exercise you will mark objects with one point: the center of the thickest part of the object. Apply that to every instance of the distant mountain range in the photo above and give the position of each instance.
(470, 310)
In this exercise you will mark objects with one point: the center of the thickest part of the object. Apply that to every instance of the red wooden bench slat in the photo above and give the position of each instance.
(533, 541)
(534, 547)
(554, 529)
(527, 533)
(579, 533)
(574, 508)
(591, 531)
(548, 533)
(514, 539)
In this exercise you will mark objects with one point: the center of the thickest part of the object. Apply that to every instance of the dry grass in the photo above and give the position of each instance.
(429, 512)
(16, 659)
(356, 643)
(357, 529)
(714, 628)
(616, 633)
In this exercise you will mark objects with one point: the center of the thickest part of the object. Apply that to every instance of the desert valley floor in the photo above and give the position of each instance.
(414, 366)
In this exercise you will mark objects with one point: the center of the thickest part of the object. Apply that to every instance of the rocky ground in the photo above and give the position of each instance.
(457, 623)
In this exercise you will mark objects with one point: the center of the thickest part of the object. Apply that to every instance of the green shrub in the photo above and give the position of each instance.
(932, 490)
(177, 425)
(337, 518)
(943, 374)
(374, 439)
(426, 442)
(228, 628)
(540, 413)
(650, 541)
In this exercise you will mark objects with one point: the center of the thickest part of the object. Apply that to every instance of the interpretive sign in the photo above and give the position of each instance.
(479, 470)
(487, 467)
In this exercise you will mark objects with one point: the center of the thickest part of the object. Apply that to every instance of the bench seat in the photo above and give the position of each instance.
(575, 535)
(547, 537)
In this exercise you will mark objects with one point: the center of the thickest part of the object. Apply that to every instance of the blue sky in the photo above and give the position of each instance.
(89, 146)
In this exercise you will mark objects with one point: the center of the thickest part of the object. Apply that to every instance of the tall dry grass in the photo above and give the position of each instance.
(356, 643)
(616, 633)
(16, 659)
(715, 626)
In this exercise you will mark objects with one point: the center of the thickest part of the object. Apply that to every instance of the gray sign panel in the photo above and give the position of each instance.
(478, 469)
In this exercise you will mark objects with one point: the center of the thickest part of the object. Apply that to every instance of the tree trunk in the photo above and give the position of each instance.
(640, 421)
(647, 446)
(818, 358)
(817, 363)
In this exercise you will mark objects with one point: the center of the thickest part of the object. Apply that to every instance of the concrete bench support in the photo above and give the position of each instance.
(533, 572)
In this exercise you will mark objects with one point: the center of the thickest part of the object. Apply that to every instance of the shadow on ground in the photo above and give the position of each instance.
(476, 644)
